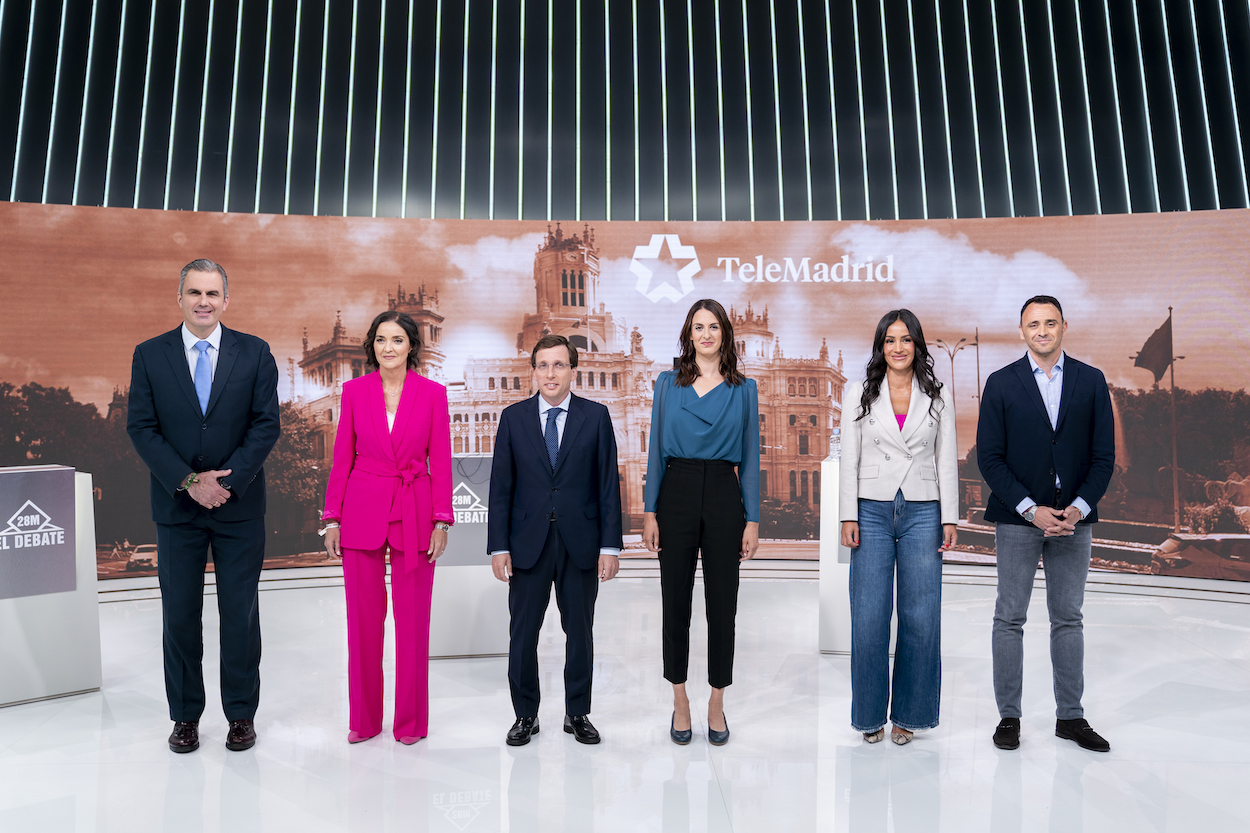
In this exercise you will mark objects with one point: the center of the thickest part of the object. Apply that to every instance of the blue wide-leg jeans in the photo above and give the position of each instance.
(904, 536)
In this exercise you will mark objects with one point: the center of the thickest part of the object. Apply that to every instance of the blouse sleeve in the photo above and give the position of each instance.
(655, 453)
(749, 469)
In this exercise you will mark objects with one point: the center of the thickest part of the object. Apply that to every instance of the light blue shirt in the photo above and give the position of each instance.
(1051, 389)
(190, 339)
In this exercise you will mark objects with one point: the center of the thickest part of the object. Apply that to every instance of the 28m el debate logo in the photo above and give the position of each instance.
(29, 527)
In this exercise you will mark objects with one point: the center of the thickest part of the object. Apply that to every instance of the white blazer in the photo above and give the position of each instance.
(878, 459)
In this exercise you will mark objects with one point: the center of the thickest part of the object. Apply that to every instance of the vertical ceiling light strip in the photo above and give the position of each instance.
(915, 86)
(1002, 110)
(607, 109)
(889, 108)
(403, 187)
(1202, 96)
(173, 113)
(746, 58)
(720, 112)
(464, 106)
(664, 104)
(143, 115)
(976, 121)
(264, 108)
(1232, 98)
(946, 116)
(234, 105)
(807, 125)
(859, 86)
(351, 105)
(199, 145)
(1145, 100)
(86, 95)
(694, 168)
(494, 53)
(637, 172)
(520, 131)
(1089, 116)
(438, 65)
(551, 48)
(781, 180)
(290, 118)
(117, 89)
(56, 95)
(321, 104)
(1119, 117)
(1063, 138)
(1028, 91)
(1176, 115)
(377, 113)
(833, 114)
(578, 125)
(21, 106)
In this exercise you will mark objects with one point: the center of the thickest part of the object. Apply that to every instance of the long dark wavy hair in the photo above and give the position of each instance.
(687, 369)
(921, 366)
(409, 326)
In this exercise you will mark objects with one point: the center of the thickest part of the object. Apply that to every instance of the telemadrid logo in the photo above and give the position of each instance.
(677, 251)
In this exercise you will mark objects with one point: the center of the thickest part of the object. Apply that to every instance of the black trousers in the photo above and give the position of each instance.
(700, 510)
(238, 554)
(528, 594)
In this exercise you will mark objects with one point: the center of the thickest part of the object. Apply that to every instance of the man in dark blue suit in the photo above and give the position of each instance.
(555, 517)
(204, 416)
(1046, 447)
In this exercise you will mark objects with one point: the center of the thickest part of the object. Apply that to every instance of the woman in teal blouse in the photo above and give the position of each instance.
(703, 495)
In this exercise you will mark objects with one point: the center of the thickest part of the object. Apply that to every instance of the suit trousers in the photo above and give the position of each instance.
(699, 511)
(1065, 560)
(364, 580)
(528, 593)
(182, 555)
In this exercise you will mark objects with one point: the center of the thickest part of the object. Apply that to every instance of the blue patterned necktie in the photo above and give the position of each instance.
(203, 375)
(552, 435)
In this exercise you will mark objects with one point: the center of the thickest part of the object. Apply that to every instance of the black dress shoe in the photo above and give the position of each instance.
(1079, 731)
(681, 737)
(242, 735)
(580, 727)
(185, 736)
(1007, 735)
(519, 734)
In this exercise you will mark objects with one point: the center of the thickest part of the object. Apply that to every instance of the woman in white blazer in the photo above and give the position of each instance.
(898, 506)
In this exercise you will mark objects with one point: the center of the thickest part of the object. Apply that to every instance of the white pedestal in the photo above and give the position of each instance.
(835, 568)
(51, 642)
(469, 613)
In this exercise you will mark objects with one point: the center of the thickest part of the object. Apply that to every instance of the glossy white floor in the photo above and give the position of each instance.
(1168, 683)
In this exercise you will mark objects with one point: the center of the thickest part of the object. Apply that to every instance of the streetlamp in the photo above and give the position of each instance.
(951, 350)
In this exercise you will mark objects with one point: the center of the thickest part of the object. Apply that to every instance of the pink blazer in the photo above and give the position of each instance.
(380, 477)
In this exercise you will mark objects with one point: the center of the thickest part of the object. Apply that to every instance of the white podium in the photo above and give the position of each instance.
(835, 568)
(49, 616)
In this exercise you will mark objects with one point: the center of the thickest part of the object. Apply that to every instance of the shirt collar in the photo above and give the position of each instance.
(543, 407)
(1037, 368)
(189, 338)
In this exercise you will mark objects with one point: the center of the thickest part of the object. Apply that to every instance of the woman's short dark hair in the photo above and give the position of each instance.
(687, 368)
(549, 341)
(409, 326)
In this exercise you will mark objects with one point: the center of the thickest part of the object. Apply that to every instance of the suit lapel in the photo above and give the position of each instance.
(531, 428)
(225, 363)
(1069, 384)
(404, 412)
(1025, 371)
(375, 396)
(883, 412)
(917, 411)
(175, 351)
(572, 425)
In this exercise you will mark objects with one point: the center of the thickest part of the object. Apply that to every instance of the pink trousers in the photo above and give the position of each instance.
(364, 578)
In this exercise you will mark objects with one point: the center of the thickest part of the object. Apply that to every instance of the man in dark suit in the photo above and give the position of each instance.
(555, 516)
(1046, 447)
(204, 416)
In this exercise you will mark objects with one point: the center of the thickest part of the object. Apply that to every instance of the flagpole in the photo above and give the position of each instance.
(1176, 495)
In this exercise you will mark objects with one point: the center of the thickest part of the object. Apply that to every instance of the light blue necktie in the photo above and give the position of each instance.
(203, 375)
(552, 435)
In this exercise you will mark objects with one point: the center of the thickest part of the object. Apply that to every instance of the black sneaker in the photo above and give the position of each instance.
(1079, 731)
(1007, 735)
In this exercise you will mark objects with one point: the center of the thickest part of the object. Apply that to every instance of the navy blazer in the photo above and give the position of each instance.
(584, 491)
(1019, 453)
(174, 437)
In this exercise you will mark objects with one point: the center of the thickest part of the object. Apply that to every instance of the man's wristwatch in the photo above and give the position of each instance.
(443, 525)
(1030, 513)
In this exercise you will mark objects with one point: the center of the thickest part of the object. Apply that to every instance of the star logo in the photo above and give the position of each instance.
(668, 272)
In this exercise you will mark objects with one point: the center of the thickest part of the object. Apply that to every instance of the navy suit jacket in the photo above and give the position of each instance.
(584, 490)
(1019, 453)
(174, 437)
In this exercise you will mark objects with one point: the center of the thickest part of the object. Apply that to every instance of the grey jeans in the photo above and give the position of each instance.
(1065, 561)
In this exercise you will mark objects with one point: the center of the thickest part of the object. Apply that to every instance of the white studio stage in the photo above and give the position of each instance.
(1167, 683)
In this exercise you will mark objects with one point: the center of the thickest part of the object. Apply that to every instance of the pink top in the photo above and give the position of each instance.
(901, 419)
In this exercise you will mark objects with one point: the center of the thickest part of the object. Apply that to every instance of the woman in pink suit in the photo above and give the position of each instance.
(390, 486)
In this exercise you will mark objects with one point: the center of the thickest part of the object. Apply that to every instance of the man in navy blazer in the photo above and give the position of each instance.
(1046, 447)
(204, 416)
(555, 517)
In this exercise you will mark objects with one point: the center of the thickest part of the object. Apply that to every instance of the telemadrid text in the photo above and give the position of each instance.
(840, 271)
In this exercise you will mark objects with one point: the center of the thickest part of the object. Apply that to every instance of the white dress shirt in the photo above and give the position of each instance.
(190, 339)
(1051, 389)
